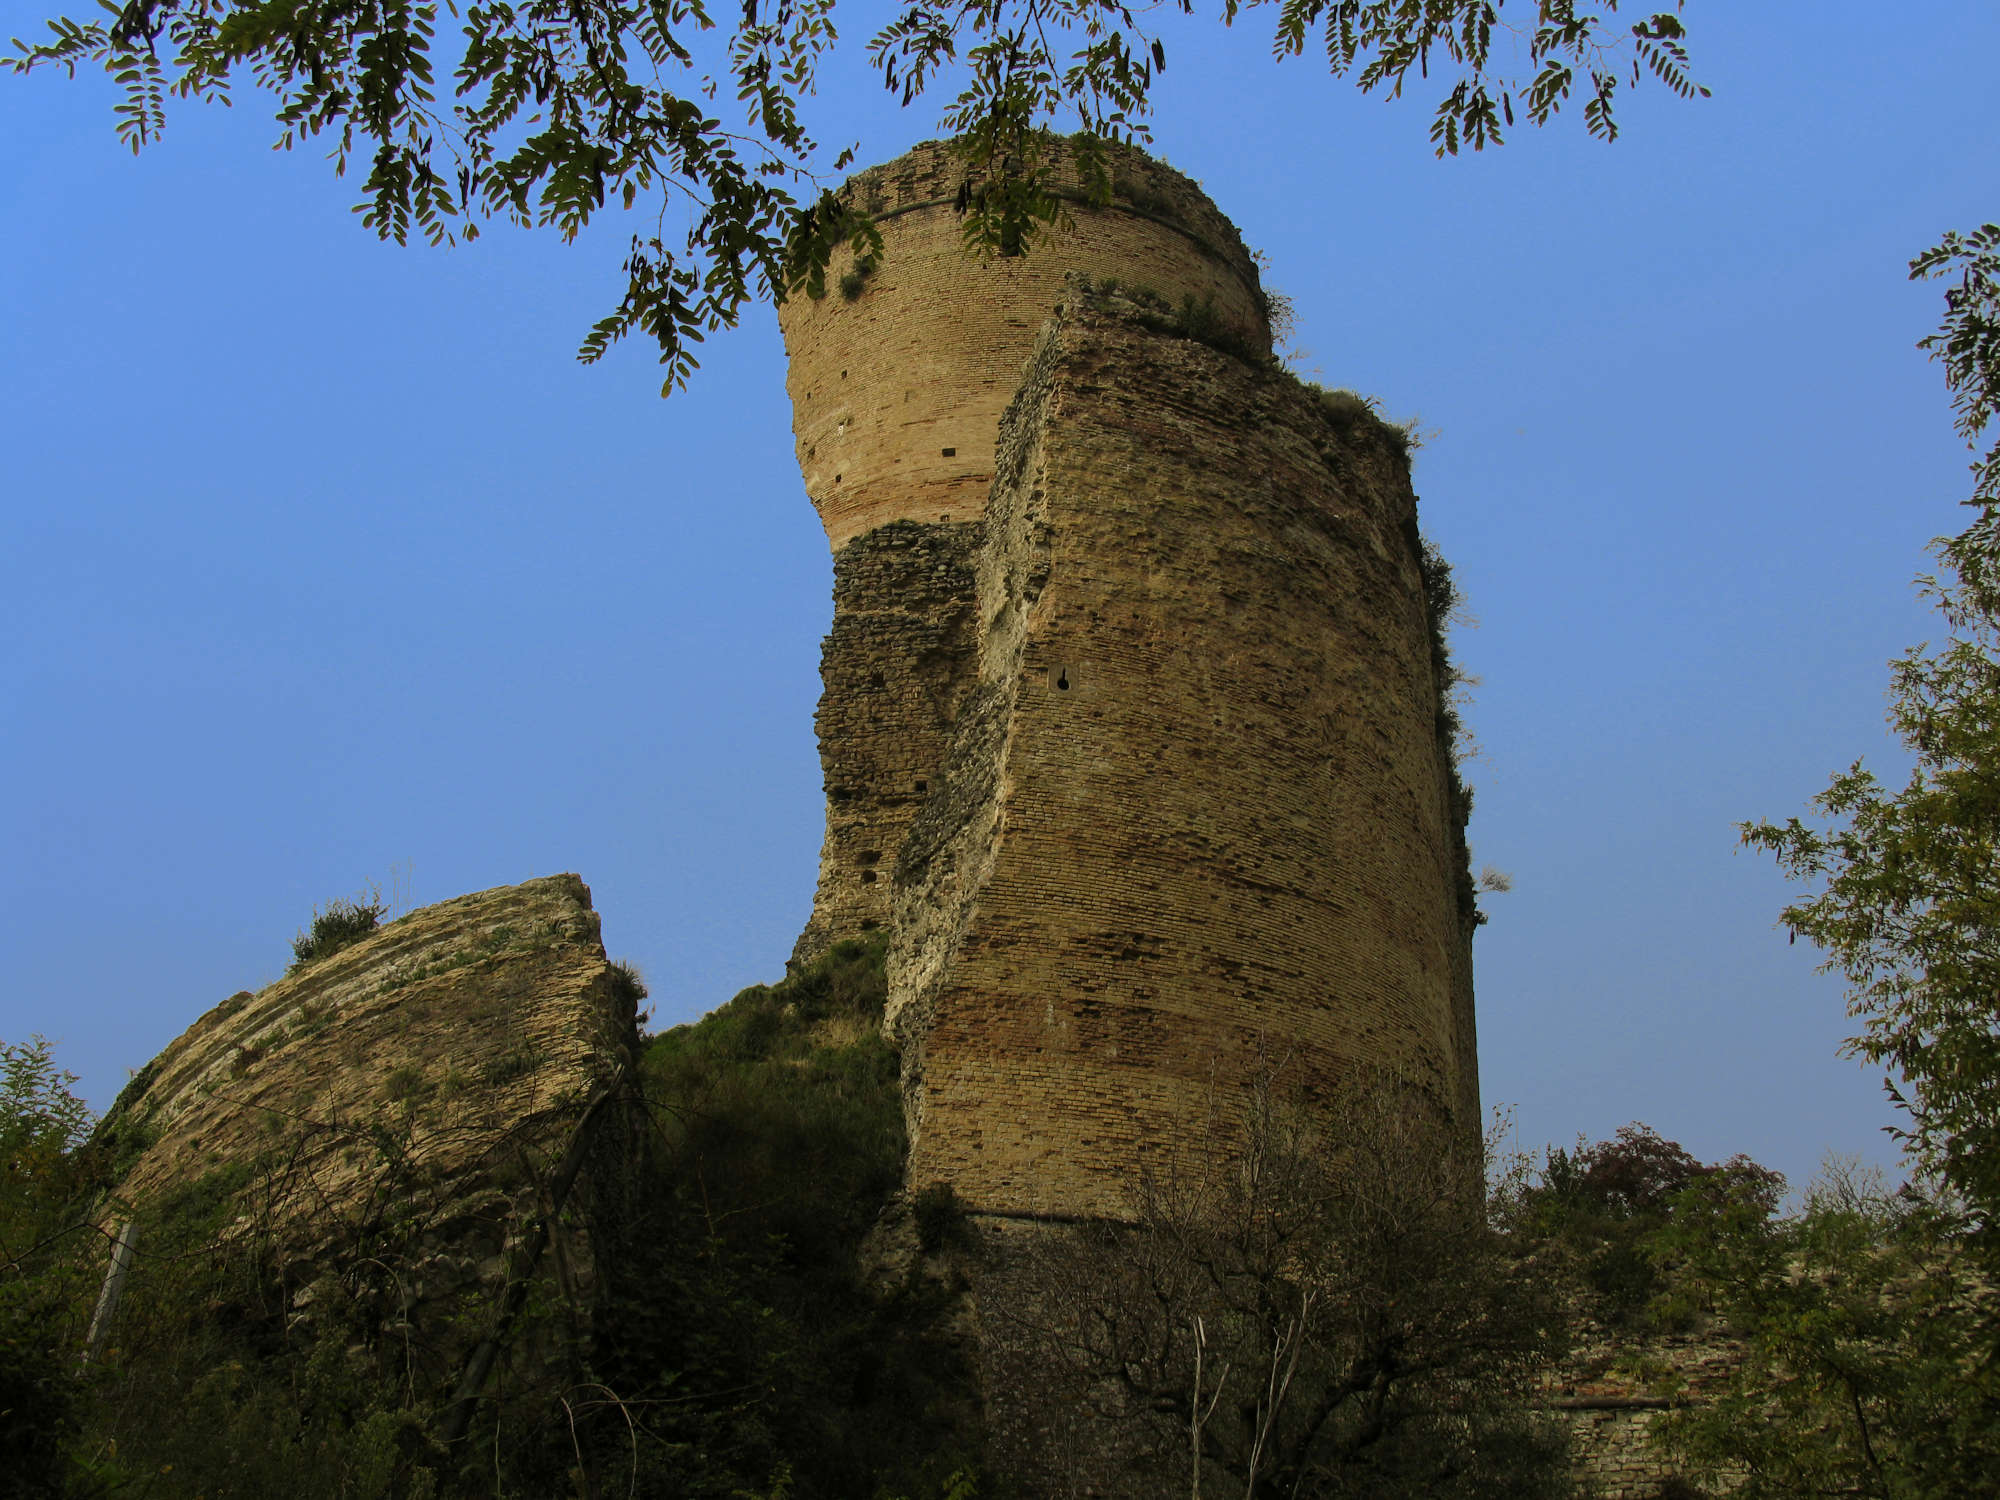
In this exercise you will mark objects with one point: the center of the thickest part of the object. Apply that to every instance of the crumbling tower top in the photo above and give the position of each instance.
(898, 376)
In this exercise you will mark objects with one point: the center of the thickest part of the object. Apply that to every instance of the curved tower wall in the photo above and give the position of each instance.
(897, 392)
(1131, 729)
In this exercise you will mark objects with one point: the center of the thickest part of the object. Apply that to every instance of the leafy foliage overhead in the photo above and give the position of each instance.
(1906, 907)
(542, 112)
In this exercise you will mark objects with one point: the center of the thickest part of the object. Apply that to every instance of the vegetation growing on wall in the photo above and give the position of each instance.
(1192, 317)
(1441, 607)
(855, 282)
(337, 925)
(1354, 415)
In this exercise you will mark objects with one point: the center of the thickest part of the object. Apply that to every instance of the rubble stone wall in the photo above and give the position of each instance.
(897, 665)
(1608, 1393)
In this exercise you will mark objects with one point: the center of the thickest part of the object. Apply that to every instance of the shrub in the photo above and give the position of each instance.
(1355, 416)
(732, 1312)
(1608, 1208)
(855, 282)
(780, 1144)
(337, 925)
(39, 1386)
(627, 987)
(523, 1059)
(1199, 319)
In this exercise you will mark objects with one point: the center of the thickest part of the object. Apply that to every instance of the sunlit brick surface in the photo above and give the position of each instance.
(929, 353)
(1195, 814)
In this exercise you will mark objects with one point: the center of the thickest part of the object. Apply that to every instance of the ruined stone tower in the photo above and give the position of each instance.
(1131, 730)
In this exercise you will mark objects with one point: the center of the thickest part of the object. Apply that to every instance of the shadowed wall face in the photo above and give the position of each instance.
(1131, 727)
(896, 666)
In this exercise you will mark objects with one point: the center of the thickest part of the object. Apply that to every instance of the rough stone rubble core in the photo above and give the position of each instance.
(1130, 732)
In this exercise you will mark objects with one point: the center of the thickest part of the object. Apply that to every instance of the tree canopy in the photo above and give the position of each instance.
(1908, 908)
(543, 112)
(1867, 1335)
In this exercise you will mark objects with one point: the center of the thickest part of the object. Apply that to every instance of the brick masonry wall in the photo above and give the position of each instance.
(896, 401)
(1132, 693)
(1195, 813)
(453, 989)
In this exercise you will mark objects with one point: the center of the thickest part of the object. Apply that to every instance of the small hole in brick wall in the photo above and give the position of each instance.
(1062, 678)
(836, 479)
(923, 786)
(870, 925)
(878, 680)
(867, 877)
(843, 374)
(871, 856)
(951, 453)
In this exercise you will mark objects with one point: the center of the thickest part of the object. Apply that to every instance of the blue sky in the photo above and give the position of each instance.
(324, 564)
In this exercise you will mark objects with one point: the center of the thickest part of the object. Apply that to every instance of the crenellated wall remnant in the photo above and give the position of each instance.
(1131, 729)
